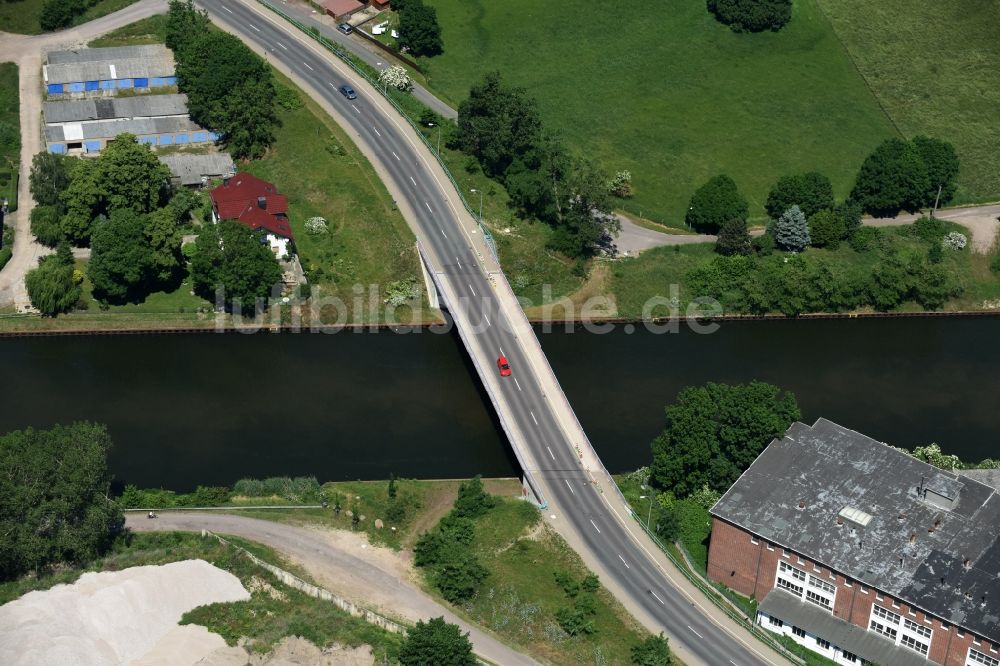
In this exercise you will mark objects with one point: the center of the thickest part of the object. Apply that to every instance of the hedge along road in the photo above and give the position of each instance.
(587, 519)
(339, 562)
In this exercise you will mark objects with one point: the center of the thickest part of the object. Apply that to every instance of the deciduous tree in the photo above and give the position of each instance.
(45, 225)
(436, 643)
(811, 192)
(942, 168)
(131, 177)
(122, 262)
(893, 178)
(498, 124)
(230, 255)
(246, 118)
(653, 651)
(826, 229)
(715, 203)
(51, 287)
(752, 15)
(50, 175)
(419, 29)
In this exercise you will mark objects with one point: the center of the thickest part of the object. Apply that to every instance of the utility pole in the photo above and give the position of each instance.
(649, 513)
(936, 200)
(480, 205)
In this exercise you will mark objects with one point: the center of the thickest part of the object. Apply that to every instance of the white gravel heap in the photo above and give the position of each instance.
(116, 617)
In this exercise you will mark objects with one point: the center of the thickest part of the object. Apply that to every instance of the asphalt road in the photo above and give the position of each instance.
(443, 234)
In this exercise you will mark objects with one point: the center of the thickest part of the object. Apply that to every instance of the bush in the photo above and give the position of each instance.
(826, 229)
(752, 15)
(299, 489)
(45, 225)
(715, 203)
(621, 185)
(955, 241)
(763, 245)
(733, 238)
(994, 264)
(436, 643)
(473, 500)
(865, 238)
(927, 229)
(654, 651)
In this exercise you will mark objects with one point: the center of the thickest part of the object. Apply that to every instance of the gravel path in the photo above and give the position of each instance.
(343, 563)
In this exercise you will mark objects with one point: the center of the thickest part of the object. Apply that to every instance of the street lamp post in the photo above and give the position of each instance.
(649, 513)
(480, 204)
(439, 136)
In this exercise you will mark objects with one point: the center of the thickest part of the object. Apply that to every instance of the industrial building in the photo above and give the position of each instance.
(86, 125)
(863, 553)
(102, 71)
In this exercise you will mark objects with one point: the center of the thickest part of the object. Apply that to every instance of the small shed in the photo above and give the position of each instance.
(340, 9)
(196, 170)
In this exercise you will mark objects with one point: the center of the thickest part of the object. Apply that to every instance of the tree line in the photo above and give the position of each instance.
(229, 87)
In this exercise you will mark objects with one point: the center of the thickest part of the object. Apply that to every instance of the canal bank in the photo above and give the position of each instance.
(193, 409)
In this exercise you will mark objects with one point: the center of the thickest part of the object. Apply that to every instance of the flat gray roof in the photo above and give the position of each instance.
(818, 622)
(108, 129)
(121, 62)
(105, 108)
(190, 168)
(932, 538)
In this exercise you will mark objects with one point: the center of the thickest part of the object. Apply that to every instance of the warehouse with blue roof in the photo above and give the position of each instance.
(83, 72)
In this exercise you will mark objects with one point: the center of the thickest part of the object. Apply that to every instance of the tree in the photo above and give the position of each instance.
(654, 651)
(752, 15)
(791, 232)
(733, 238)
(942, 168)
(51, 287)
(45, 224)
(459, 574)
(715, 431)
(826, 229)
(50, 175)
(246, 118)
(436, 643)
(391, 491)
(212, 64)
(164, 237)
(122, 262)
(82, 200)
(584, 224)
(893, 178)
(230, 256)
(812, 192)
(419, 30)
(473, 500)
(498, 124)
(130, 176)
(55, 507)
(184, 23)
(715, 203)
(397, 77)
(58, 14)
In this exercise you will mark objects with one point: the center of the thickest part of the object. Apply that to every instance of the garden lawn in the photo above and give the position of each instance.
(670, 94)
(21, 16)
(934, 67)
(10, 132)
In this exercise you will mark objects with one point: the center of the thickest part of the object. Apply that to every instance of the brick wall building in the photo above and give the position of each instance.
(862, 553)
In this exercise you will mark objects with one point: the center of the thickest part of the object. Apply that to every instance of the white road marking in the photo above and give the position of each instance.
(475, 294)
(657, 598)
(533, 417)
(624, 562)
(428, 206)
(254, 27)
(443, 233)
(334, 85)
(282, 45)
(227, 9)
(459, 262)
(413, 181)
(733, 663)
(487, 319)
(549, 448)
(597, 528)
(393, 152)
(518, 384)
(502, 352)
(359, 111)
(376, 131)
(569, 486)
(308, 65)
(695, 633)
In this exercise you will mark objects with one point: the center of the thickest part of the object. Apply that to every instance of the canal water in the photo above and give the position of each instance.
(209, 409)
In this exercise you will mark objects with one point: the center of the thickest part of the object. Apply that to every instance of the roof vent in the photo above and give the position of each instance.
(855, 515)
(262, 202)
(802, 504)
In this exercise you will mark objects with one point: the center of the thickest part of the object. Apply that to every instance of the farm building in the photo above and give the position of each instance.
(196, 170)
(102, 71)
(86, 125)
(257, 204)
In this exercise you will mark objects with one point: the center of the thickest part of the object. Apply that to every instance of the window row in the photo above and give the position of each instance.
(976, 657)
(914, 644)
(797, 574)
(888, 616)
(880, 628)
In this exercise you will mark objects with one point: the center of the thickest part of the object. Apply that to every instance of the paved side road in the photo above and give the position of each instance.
(374, 577)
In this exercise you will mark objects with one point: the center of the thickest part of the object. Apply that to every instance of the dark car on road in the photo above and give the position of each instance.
(345, 28)
(348, 92)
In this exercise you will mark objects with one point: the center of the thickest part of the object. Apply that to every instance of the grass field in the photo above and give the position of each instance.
(934, 67)
(21, 16)
(10, 132)
(668, 93)
(152, 30)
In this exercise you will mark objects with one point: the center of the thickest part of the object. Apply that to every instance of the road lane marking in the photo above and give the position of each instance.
(489, 324)
(519, 388)
(442, 232)
(475, 294)
(502, 352)
(549, 448)
(459, 262)
(428, 207)
(393, 152)
(657, 598)
(282, 46)
(533, 417)
(624, 562)
(359, 111)
(376, 131)
(254, 27)
(569, 486)
(413, 181)
(227, 9)
(695, 632)
(308, 65)
(597, 528)
(733, 663)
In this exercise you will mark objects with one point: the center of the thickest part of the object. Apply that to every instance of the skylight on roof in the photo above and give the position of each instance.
(856, 515)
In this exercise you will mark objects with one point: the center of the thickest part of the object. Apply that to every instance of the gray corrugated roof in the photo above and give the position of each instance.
(190, 168)
(937, 549)
(103, 108)
(158, 63)
(107, 129)
(991, 477)
(107, 53)
(818, 622)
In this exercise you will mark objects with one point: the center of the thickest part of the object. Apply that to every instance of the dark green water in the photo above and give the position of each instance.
(209, 409)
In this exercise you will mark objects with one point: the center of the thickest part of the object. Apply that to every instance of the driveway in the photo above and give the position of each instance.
(27, 52)
(342, 562)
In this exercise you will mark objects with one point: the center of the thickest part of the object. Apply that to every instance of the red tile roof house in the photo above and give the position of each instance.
(340, 9)
(257, 204)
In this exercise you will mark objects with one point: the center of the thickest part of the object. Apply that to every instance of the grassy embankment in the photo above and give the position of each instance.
(10, 132)
(269, 615)
(672, 95)
(21, 16)
(942, 82)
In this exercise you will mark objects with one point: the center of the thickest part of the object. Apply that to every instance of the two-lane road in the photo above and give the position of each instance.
(447, 236)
